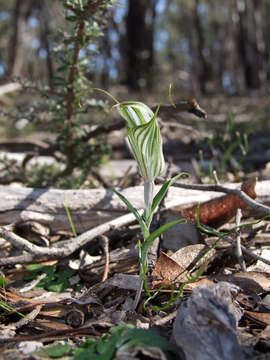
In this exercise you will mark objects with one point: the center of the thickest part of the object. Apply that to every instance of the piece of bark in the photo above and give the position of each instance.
(219, 211)
(205, 327)
(89, 208)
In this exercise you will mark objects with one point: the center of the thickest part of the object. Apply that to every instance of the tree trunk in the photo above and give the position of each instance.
(44, 39)
(140, 34)
(247, 47)
(205, 70)
(21, 12)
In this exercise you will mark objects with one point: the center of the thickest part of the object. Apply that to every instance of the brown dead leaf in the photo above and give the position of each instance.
(167, 271)
(263, 317)
(193, 255)
(220, 210)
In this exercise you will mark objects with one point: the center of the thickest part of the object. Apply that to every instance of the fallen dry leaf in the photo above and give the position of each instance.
(167, 271)
(193, 255)
(220, 210)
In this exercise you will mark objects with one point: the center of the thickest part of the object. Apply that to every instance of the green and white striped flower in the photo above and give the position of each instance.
(144, 138)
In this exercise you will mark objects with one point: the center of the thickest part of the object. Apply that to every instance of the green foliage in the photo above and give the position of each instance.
(84, 21)
(120, 338)
(56, 351)
(67, 108)
(3, 282)
(55, 280)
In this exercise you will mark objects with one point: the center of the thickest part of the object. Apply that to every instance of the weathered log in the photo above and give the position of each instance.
(91, 207)
(9, 88)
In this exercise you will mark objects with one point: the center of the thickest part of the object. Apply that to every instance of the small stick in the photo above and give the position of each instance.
(239, 252)
(165, 319)
(105, 243)
(246, 251)
(216, 177)
(138, 294)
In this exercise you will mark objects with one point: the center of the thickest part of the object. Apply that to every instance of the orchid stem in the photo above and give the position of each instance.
(148, 200)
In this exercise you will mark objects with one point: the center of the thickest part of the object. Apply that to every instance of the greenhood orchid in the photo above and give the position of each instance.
(144, 138)
(145, 141)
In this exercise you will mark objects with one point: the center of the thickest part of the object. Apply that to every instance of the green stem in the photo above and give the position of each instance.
(148, 198)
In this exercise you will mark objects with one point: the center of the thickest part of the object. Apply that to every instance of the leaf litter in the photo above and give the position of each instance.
(52, 310)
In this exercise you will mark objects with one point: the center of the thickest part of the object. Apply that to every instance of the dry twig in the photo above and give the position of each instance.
(239, 253)
(260, 208)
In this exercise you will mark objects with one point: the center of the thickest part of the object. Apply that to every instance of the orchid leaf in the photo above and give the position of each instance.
(133, 210)
(163, 190)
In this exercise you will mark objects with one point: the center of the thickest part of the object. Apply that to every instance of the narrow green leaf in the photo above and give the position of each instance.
(108, 94)
(74, 232)
(133, 210)
(156, 234)
(170, 96)
(163, 190)
(3, 282)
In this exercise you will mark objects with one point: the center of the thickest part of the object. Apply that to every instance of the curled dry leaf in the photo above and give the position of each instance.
(193, 256)
(173, 268)
(167, 271)
(220, 210)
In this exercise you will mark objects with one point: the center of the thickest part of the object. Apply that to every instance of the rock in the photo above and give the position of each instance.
(205, 326)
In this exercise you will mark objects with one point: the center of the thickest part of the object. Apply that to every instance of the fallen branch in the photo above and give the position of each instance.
(63, 248)
(67, 247)
(246, 251)
(253, 204)
(91, 207)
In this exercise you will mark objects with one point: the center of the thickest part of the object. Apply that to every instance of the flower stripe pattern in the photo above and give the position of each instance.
(144, 138)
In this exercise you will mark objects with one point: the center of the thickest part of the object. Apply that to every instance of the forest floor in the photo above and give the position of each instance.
(204, 294)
